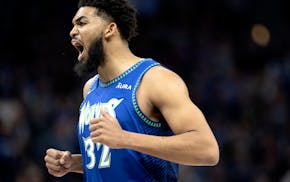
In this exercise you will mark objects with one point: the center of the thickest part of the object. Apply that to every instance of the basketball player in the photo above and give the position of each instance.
(137, 122)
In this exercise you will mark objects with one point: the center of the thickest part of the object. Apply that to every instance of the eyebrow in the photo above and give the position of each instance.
(78, 19)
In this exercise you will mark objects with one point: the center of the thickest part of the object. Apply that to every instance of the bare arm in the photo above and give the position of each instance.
(191, 147)
(193, 142)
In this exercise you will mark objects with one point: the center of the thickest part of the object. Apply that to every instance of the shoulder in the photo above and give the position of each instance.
(87, 86)
(163, 78)
(162, 84)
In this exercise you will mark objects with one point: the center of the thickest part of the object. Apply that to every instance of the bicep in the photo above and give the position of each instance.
(175, 105)
(183, 117)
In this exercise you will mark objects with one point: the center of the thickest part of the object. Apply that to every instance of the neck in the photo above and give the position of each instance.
(118, 58)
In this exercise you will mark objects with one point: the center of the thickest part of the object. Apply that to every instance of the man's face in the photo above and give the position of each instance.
(87, 39)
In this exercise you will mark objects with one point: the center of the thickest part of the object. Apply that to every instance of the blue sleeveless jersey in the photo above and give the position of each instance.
(118, 98)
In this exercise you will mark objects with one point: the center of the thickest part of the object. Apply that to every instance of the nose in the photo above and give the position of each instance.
(73, 32)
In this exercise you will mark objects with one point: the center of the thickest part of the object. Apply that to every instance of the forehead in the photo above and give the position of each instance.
(86, 11)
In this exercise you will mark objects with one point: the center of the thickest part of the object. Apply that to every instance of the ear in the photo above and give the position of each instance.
(110, 30)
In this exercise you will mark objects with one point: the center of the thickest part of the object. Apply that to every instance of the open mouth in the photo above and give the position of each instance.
(80, 48)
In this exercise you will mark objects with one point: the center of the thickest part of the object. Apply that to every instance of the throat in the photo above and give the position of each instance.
(111, 69)
(106, 74)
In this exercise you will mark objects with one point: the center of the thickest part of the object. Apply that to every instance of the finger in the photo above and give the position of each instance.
(56, 154)
(53, 167)
(57, 173)
(98, 139)
(104, 113)
(94, 127)
(65, 157)
(108, 117)
(96, 133)
(52, 172)
(95, 120)
(51, 160)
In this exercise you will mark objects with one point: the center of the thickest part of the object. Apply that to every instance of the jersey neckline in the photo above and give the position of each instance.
(122, 75)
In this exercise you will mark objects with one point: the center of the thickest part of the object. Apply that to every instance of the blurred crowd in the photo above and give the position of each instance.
(241, 87)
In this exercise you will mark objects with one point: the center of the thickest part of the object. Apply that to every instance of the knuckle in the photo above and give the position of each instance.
(92, 135)
(50, 150)
(92, 121)
(101, 125)
(67, 153)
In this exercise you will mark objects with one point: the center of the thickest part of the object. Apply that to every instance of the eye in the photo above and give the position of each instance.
(81, 23)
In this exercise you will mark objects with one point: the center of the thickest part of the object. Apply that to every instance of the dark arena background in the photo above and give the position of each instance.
(234, 56)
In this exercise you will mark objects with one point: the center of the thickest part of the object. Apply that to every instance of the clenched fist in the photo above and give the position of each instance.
(107, 130)
(58, 162)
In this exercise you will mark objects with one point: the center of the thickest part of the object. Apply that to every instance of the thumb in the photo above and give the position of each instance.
(66, 156)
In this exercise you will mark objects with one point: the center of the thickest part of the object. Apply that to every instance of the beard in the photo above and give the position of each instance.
(95, 58)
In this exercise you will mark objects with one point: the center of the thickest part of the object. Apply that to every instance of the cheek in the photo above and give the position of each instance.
(92, 32)
(89, 38)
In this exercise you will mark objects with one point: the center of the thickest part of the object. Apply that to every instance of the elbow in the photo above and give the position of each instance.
(213, 155)
(213, 159)
(208, 156)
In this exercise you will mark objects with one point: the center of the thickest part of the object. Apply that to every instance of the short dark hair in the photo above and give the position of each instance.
(120, 11)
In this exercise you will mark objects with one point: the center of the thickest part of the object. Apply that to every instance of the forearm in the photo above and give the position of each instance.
(76, 166)
(187, 148)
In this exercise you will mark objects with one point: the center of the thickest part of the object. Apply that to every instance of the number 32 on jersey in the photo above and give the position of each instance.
(105, 159)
